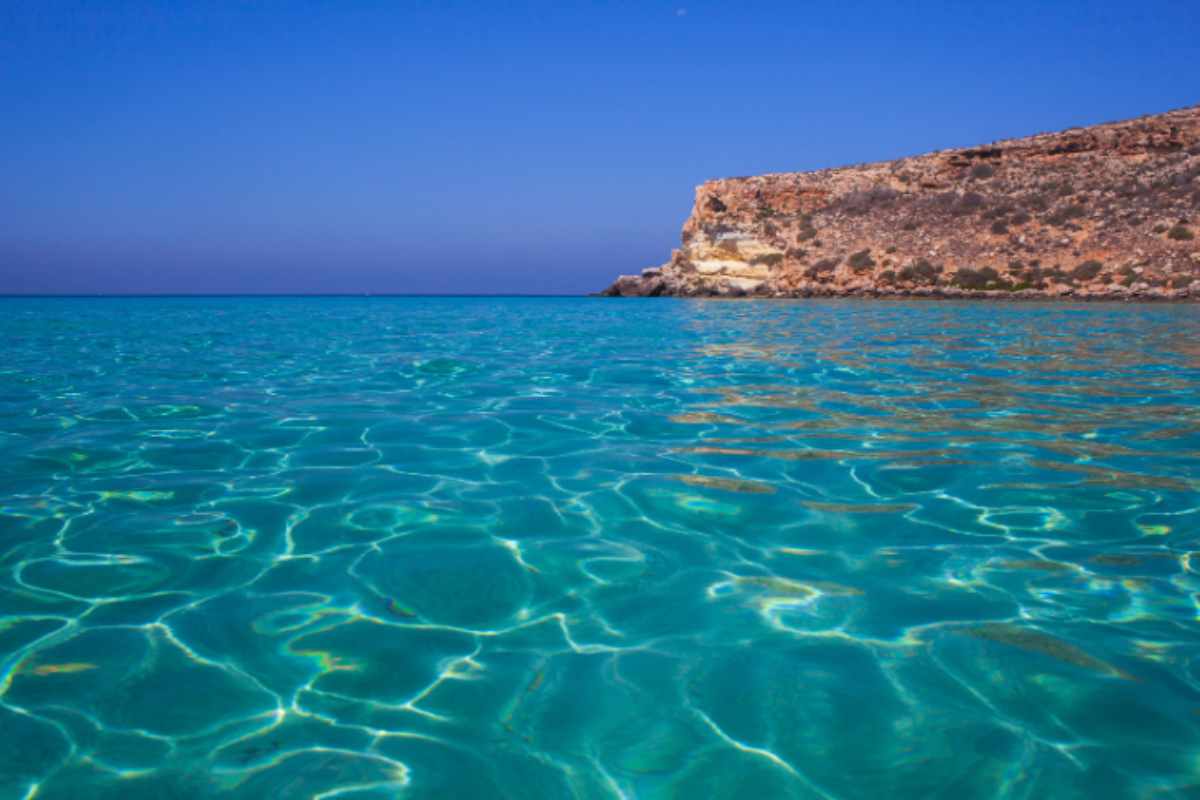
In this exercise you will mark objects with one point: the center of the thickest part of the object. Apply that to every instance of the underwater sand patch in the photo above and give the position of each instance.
(793, 588)
(1115, 560)
(860, 508)
(69, 668)
(1038, 564)
(727, 484)
(1035, 641)
(705, 418)
(1106, 476)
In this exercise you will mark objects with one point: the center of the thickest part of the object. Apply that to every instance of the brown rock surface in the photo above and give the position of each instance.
(1106, 212)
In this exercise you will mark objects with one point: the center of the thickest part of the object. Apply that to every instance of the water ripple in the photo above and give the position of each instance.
(573, 548)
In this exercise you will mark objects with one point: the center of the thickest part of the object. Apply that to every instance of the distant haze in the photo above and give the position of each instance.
(178, 147)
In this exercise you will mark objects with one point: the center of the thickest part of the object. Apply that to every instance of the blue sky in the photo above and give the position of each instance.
(342, 146)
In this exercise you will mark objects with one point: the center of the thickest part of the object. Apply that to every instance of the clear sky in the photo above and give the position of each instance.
(344, 146)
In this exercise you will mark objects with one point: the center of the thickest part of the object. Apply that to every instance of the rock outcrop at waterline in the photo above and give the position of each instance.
(1109, 211)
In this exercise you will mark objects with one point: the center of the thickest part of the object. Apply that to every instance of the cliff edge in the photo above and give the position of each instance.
(1105, 212)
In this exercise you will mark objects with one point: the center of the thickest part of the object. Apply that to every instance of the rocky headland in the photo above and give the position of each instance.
(1110, 211)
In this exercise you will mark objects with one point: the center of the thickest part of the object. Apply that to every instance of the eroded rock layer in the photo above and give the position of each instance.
(1108, 212)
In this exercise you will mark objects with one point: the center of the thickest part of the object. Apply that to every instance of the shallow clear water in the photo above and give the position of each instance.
(541, 548)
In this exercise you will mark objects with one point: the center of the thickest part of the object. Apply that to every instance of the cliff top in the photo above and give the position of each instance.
(1187, 116)
(1106, 211)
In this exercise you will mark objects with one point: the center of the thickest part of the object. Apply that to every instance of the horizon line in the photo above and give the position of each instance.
(150, 295)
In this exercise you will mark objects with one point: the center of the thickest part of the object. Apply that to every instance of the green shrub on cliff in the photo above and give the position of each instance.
(977, 279)
(969, 203)
(1030, 277)
(805, 230)
(920, 272)
(1181, 233)
(1087, 270)
(1065, 214)
(821, 268)
(861, 201)
(861, 260)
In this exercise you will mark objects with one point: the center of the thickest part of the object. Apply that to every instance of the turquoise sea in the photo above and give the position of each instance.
(583, 548)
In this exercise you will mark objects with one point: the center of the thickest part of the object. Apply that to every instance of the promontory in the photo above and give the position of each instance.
(1109, 211)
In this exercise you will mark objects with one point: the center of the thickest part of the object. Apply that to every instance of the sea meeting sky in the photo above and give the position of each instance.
(343, 146)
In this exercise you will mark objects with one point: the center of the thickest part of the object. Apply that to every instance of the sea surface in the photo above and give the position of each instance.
(594, 548)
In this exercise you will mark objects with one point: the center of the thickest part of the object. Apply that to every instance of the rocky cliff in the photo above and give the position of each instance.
(1109, 211)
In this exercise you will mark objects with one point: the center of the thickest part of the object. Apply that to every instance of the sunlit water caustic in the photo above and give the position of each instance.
(583, 548)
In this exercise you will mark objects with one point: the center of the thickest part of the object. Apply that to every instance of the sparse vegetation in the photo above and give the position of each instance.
(1117, 204)
(920, 272)
(1065, 214)
(822, 267)
(861, 260)
(1087, 270)
(805, 229)
(976, 279)
(1062, 188)
(969, 203)
(863, 200)
(1030, 277)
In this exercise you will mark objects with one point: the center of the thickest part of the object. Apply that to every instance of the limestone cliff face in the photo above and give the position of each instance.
(1110, 211)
